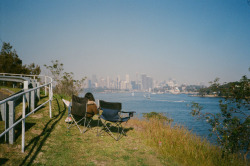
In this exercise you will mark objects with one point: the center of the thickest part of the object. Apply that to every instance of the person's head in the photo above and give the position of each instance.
(89, 96)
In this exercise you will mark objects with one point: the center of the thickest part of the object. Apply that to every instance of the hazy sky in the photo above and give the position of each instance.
(189, 40)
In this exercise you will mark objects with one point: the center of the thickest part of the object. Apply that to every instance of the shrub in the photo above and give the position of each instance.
(65, 83)
(156, 115)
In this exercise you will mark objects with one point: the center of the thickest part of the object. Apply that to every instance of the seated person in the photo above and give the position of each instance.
(91, 106)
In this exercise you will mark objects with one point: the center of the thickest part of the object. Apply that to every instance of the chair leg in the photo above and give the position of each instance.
(70, 124)
(120, 130)
(98, 124)
(107, 129)
(110, 132)
(103, 127)
(75, 123)
(87, 126)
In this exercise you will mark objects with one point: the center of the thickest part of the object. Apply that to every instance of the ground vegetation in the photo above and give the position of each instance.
(231, 125)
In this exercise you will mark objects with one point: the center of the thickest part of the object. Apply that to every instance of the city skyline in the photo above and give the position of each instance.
(141, 82)
(190, 41)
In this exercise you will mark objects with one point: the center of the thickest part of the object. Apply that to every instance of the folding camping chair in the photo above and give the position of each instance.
(79, 113)
(110, 116)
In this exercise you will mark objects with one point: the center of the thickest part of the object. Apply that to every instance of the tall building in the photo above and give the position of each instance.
(118, 80)
(128, 84)
(89, 84)
(137, 78)
(102, 83)
(94, 78)
(147, 82)
(144, 81)
(127, 78)
(108, 82)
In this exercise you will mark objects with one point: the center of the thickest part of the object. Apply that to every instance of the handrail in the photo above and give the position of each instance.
(14, 78)
(19, 94)
(26, 90)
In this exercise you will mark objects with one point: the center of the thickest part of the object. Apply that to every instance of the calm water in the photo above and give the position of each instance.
(177, 107)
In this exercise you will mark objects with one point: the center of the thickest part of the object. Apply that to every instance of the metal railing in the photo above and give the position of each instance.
(25, 98)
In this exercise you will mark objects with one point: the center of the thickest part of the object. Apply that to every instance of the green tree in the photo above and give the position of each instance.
(9, 60)
(11, 63)
(31, 69)
(232, 124)
(65, 82)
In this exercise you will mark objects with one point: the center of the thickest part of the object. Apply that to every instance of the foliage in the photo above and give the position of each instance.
(193, 88)
(232, 124)
(11, 63)
(216, 89)
(65, 83)
(156, 115)
(31, 69)
(56, 70)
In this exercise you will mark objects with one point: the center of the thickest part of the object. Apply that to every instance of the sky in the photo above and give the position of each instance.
(190, 41)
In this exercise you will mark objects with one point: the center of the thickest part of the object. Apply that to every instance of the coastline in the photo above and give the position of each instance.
(208, 96)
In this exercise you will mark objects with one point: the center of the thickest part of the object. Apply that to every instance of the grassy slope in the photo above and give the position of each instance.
(7, 91)
(48, 141)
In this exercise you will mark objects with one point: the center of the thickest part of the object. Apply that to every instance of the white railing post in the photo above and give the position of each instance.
(38, 91)
(23, 124)
(45, 88)
(25, 87)
(32, 100)
(50, 100)
(11, 108)
(5, 113)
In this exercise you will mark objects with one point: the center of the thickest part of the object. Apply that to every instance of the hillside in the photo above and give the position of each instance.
(148, 142)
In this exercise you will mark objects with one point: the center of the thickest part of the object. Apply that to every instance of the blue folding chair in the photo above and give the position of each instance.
(111, 119)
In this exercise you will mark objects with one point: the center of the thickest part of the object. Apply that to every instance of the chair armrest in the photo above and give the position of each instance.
(128, 112)
(131, 114)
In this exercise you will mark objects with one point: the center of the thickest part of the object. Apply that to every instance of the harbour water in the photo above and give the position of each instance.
(176, 107)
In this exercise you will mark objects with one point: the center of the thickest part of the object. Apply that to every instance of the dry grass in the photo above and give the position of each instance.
(179, 144)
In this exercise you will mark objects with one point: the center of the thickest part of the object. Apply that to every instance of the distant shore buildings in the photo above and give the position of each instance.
(142, 83)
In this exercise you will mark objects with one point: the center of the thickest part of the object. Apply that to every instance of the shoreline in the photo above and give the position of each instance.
(208, 96)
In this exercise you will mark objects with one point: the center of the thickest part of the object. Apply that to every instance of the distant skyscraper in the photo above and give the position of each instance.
(134, 85)
(127, 78)
(137, 78)
(143, 81)
(108, 82)
(147, 82)
(94, 79)
(118, 80)
(89, 84)
(102, 83)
